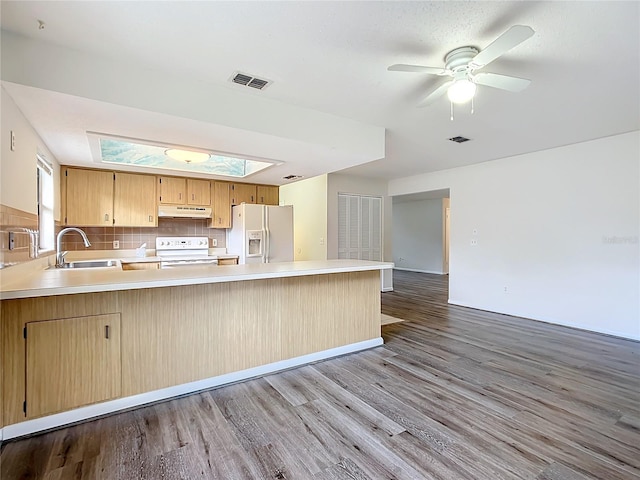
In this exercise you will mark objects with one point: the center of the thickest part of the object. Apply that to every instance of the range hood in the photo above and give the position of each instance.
(175, 211)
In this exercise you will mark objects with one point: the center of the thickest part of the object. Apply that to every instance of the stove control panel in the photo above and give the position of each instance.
(182, 243)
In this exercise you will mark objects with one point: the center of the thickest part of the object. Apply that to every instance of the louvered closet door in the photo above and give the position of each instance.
(370, 228)
(359, 227)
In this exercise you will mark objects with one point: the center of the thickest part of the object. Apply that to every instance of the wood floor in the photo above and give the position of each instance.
(455, 393)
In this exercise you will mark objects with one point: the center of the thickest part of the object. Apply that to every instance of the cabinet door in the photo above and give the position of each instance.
(89, 197)
(172, 190)
(267, 194)
(242, 193)
(134, 203)
(228, 261)
(141, 266)
(72, 362)
(221, 217)
(198, 192)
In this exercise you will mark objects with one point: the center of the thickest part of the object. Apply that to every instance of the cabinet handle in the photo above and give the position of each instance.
(150, 218)
(179, 196)
(251, 198)
(106, 332)
(261, 199)
(193, 196)
(106, 217)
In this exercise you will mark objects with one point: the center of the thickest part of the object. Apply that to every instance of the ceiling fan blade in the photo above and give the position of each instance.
(418, 69)
(505, 42)
(503, 82)
(436, 94)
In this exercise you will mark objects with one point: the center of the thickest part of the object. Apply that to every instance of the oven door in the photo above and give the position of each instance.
(188, 263)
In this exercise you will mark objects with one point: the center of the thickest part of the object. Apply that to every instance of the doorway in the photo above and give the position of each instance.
(421, 232)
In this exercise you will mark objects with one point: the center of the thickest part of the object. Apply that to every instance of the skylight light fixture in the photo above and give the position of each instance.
(149, 154)
(187, 156)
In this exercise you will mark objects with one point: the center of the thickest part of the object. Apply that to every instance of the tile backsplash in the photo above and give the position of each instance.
(14, 220)
(102, 238)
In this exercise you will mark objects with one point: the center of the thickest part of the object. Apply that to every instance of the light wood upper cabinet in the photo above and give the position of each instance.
(89, 197)
(221, 217)
(198, 192)
(72, 362)
(172, 190)
(134, 203)
(267, 194)
(184, 191)
(243, 193)
(105, 198)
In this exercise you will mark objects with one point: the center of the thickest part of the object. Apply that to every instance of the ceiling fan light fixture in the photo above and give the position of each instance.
(461, 91)
(187, 156)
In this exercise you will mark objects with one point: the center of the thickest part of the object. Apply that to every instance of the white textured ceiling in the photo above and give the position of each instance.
(331, 57)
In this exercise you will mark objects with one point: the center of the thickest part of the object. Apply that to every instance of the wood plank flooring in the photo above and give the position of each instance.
(454, 393)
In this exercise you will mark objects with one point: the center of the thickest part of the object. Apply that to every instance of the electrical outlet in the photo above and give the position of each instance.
(474, 242)
(116, 244)
(506, 289)
(13, 140)
(321, 240)
(214, 242)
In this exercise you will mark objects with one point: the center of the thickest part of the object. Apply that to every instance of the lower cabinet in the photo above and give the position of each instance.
(66, 351)
(228, 261)
(72, 362)
(141, 266)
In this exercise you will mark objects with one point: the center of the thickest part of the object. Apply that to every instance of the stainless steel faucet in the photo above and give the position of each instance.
(60, 255)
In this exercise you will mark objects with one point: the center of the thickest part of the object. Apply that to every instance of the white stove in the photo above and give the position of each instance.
(184, 251)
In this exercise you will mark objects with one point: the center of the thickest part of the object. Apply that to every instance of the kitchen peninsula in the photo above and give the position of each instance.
(81, 343)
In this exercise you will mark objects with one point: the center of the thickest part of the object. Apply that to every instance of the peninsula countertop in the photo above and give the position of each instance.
(41, 282)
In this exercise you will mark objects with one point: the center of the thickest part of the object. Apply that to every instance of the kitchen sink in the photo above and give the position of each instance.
(91, 264)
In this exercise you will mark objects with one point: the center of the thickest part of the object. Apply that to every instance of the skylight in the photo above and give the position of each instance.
(126, 152)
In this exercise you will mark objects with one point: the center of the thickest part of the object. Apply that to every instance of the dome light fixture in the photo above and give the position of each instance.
(461, 91)
(187, 156)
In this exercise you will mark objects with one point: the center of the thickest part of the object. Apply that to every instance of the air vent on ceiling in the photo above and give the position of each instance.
(250, 81)
(459, 139)
(292, 177)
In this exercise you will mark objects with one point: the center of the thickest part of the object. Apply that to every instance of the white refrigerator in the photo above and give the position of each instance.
(261, 233)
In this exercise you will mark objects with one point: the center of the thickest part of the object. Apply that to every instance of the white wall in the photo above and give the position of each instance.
(558, 228)
(309, 200)
(18, 180)
(418, 235)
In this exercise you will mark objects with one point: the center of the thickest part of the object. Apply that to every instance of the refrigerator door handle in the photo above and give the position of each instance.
(266, 235)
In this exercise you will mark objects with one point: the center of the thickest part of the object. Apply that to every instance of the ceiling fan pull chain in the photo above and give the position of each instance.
(451, 111)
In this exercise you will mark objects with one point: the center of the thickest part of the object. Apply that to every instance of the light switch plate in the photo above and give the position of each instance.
(13, 140)
(116, 244)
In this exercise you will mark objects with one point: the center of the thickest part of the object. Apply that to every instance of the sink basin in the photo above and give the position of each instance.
(91, 264)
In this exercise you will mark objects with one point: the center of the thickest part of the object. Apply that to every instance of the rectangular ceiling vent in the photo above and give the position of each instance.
(459, 139)
(250, 81)
(292, 177)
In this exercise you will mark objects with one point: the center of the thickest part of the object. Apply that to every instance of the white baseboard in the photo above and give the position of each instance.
(72, 416)
(601, 331)
(418, 270)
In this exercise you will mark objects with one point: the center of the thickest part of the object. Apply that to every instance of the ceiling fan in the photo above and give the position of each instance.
(462, 63)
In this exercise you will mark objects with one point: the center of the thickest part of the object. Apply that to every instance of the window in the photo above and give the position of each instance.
(45, 204)
(359, 227)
